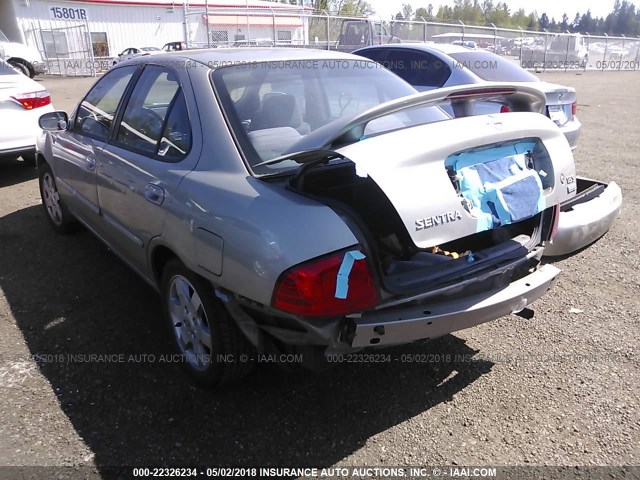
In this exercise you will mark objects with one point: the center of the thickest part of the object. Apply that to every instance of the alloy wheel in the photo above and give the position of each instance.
(190, 323)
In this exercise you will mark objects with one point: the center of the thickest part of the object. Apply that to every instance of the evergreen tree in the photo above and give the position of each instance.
(544, 21)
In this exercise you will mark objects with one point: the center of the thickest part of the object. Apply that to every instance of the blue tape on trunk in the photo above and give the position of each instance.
(342, 280)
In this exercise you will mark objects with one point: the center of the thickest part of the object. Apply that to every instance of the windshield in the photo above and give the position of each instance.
(493, 68)
(6, 69)
(273, 105)
(150, 49)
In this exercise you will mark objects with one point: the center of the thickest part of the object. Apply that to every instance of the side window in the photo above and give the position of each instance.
(176, 136)
(95, 114)
(375, 54)
(418, 68)
(155, 120)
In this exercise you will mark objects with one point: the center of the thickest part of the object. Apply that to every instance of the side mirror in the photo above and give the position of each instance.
(54, 121)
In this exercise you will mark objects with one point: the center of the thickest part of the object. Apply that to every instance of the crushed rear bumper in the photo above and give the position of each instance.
(586, 217)
(405, 324)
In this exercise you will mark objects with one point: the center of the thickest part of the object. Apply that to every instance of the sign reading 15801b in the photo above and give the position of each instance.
(67, 13)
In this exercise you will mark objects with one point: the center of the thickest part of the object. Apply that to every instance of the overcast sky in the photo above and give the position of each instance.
(553, 8)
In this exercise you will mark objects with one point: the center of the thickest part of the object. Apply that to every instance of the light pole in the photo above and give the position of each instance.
(248, 27)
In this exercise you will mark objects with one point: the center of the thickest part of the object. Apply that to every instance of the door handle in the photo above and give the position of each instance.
(90, 164)
(154, 193)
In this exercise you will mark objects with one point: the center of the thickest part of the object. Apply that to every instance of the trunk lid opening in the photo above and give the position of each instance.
(493, 214)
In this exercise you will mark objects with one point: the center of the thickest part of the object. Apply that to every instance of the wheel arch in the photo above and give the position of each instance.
(24, 62)
(40, 159)
(158, 258)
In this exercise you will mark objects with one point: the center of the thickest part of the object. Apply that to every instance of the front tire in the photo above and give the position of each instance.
(57, 213)
(213, 349)
(22, 67)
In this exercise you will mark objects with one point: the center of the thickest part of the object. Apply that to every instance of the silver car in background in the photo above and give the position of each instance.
(285, 200)
(437, 65)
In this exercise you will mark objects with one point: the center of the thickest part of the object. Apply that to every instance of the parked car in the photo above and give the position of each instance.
(174, 47)
(568, 50)
(427, 67)
(133, 52)
(358, 33)
(293, 200)
(26, 59)
(22, 102)
(466, 44)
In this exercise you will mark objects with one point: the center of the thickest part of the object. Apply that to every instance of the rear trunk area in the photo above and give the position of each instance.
(440, 212)
(404, 268)
(560, 101)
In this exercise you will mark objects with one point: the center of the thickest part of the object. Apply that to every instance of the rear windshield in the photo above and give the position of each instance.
(493, 68)
(273, 105)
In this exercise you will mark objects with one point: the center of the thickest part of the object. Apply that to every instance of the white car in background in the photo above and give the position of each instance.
(22, 102)
(22, 57)
(132, 52)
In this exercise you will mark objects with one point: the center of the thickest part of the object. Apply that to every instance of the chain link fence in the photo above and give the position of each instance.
(539, 51)
(73, 48)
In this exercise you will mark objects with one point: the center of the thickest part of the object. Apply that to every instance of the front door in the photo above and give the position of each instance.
(77, 150)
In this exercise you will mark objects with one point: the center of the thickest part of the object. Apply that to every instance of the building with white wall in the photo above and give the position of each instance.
(70, 31)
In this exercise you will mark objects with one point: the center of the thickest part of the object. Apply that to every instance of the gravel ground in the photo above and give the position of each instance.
(560, 389)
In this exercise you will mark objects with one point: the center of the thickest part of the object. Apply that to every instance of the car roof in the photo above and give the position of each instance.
(219, 57)
(446, 48)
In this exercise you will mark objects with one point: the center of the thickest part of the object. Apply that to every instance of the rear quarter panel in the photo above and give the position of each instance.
(260, 230)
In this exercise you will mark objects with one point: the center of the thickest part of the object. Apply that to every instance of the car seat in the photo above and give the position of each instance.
(280, 110)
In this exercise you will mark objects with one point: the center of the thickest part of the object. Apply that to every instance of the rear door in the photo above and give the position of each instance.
(77, 150)
(151, 150)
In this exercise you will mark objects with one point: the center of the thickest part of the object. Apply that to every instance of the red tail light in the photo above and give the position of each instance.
(309, 289)
(556, 219)
(574, 107)
(29, 101)
(504, 109)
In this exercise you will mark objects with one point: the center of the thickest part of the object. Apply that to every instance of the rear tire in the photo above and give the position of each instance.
(61, 220)
(214, 350)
